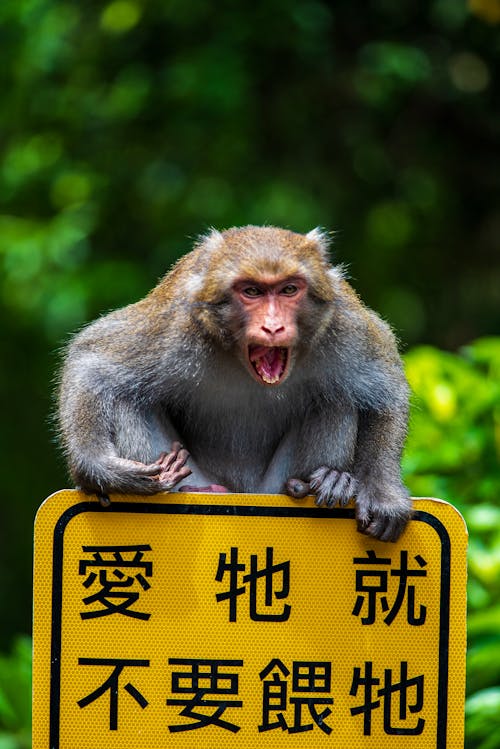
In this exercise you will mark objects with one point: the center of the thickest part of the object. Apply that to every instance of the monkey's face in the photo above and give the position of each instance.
(269, 309)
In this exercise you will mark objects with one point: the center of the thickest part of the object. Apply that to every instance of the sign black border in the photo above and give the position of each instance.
(241, 511)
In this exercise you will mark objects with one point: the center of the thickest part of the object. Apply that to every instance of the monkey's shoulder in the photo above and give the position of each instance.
(133, 325)
(355, 326)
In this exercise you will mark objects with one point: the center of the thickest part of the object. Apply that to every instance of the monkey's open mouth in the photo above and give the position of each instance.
(270, 363)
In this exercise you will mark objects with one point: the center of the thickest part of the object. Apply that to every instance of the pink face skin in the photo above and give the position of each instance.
(270, 307)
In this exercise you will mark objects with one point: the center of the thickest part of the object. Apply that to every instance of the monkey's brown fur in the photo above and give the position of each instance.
(168, 368)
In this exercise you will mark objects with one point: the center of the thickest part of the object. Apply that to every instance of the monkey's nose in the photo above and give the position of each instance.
(272, 329)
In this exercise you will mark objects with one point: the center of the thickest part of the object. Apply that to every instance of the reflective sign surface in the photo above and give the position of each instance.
(213, 621)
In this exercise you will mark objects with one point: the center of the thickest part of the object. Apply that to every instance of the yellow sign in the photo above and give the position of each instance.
(197, 621)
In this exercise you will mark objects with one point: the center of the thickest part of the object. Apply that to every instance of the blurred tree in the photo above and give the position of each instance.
(130, 126)
(453, 452)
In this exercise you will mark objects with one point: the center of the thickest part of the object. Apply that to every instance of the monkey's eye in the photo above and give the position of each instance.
(252, 291)
(289, 290)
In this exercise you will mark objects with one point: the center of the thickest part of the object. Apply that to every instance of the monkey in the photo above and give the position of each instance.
(253, 366)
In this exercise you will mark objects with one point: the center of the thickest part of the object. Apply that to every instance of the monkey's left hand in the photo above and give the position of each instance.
(382, 514)
(331, 487)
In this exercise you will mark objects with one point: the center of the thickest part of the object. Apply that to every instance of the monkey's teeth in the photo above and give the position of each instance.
(270, 380)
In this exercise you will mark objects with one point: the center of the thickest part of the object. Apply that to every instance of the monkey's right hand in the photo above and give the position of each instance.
(123, 476)
(172, 467)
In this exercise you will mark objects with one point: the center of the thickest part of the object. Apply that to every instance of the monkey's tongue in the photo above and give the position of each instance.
(269, 362)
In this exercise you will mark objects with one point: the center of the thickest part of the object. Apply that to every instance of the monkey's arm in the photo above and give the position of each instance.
(352, 445)
(103, 471)
(112, 445)
(383, 506)
(366, 467)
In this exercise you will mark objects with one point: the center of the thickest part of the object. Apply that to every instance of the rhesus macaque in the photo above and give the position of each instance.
(257, 356)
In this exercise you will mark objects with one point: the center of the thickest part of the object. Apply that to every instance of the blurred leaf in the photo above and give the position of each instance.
(15, 696)
(482, 712)
(120, 16)
(453, 453)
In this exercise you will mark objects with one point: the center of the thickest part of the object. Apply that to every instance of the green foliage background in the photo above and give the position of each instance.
(128, 127)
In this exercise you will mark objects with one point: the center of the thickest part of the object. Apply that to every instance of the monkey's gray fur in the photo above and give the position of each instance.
(165, 369)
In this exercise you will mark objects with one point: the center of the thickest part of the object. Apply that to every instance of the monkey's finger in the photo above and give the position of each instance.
(381, 529)
(375, 527)
(336, 487)
(341, 484)
(177, 469)
(393, 529)
(325, 486)
(344, 488)
(166, 455)
(391, 533)
(176, 446)
(174, 449)
(321, 497)
(168, 481)
(350, 491)
(331, 501)
(318, 477)
(180, 460)
(169, 460)
(174, 476)
(297, 488)
(381, 526)
(363, 518)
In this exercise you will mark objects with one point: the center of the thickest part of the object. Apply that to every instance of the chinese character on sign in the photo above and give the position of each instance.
(111, 685)
(373, 581)
(262, 586)
(311, 681)
(209, 687)
(395, 697)
(116, 590)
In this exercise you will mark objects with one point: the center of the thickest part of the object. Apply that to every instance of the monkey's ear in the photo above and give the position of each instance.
(322, 241)
(211, 240)
(206, 244)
